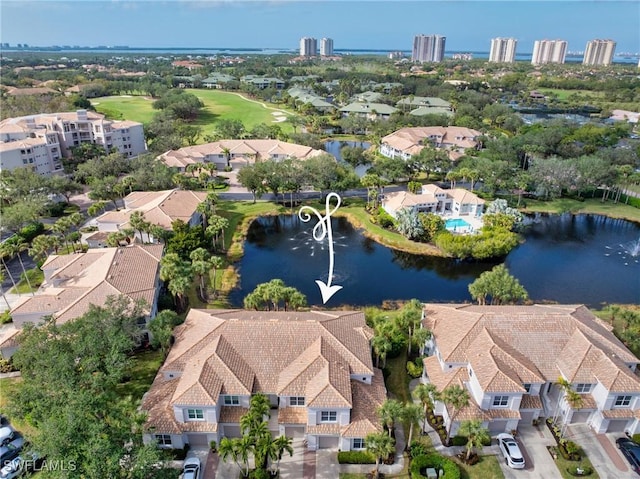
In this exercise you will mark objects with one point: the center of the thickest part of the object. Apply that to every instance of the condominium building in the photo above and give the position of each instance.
(428, 48)
(548, 51)
(503, 50)
(599, 52)
(41, 141)
(308, 47)
(326, 47)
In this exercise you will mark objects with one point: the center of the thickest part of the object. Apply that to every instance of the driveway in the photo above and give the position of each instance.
(602, 452)
(533, 442)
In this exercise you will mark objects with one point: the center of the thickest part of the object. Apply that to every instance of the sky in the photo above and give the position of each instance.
(389, 24)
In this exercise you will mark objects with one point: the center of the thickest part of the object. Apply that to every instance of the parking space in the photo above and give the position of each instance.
(539, 464)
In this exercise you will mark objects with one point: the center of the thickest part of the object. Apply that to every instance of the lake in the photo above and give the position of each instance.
(334, 147)
(568, 259)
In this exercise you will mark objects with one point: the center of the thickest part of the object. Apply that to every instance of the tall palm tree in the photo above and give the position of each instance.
(476, 435)
(381, 346)
(411, 413)
(16, 249)
(455, 398)
(227, 155)
(179, 286)
(279, 446)
(426, 394)
(4, 252)
(138, 223)
(40, 246)
(380, 445)
(4, 296)
(200, 263)
(216, 263)
(389, 412)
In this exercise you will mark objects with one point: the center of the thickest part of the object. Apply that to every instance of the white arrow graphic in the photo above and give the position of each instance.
(321, 230)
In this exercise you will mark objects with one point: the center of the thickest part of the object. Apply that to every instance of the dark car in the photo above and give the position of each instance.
(630, 450)
(11, 450)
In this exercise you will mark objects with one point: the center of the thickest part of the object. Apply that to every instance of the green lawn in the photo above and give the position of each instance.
(562, 465)
(565, 94)
(591, 205)
(36, 277)
(218, 105)
(143, 370)
(486, 468)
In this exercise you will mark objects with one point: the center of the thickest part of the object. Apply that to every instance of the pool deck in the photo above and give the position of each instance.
(474, 222)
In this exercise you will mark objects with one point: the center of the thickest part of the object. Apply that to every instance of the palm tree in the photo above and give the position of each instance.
(389, 412)
(564, 386)
(455, 398)
(216, 263)
(40, 246)
(426, 394)
(3, 252)
(227, 154)
(238, 449)
(4, 296)
(138, 222)
(381, 346)
(217, 225)
(279, 446)
(179, 286)
(200, 263)
(411, 413)
(260, 405)
(15, 249)
(476, 435)
(380, 445)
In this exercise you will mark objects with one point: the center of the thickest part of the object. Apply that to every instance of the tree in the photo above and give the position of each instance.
(381, 345)
(238, 449)
(411, 413)
(138, 223)
(499, 285)
(161, 328)
(380, 445)
(65, 186)
(15, 248)
(217, 225)
(272, 295)
(389, 412)
(455, 398)
(251, 178)
(4, 296)
(475, 433)
(216, 263)
(279, 446)
(40, 246)
(409, 224)
(200, 264)
(373, 183)
(426, 394)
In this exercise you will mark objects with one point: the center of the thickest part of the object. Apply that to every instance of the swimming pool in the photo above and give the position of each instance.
(456, 223)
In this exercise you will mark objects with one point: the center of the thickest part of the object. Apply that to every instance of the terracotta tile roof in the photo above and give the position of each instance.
(442, 379)
(366, 401)
(588, 402)
(232, 414)
(56, 299)
(292, 415)
(530, 402)
(156, 404)
(198, 426)
(621, 413)
(416, 137)
(324, 429)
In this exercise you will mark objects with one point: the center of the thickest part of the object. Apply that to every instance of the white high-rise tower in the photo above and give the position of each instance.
(599, 52)
(308, 47)
(326, 47)
(503, 50)
(428, 48)
(549, 51)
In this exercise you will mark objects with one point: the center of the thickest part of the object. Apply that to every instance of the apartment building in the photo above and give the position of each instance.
(41, 141)
(326, 47)
(599, 52)
(549, 51)
(503, 50)
(309, 47)
(428, 48)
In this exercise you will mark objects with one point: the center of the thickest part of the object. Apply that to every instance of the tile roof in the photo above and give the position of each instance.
(529, 401)
(414, 138)
(310, 354)
(366, 401)
(292, 415)
(531, 343)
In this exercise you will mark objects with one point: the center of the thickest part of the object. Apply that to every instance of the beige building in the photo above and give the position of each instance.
(428, 48)
(503, 50)
(41, 141)
(236, 153)
(410, 141)
(315, 368)
(548, 51)
(599, 52)
(509, 359)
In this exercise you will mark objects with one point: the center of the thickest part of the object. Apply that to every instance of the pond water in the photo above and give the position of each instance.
(334, 147)
(569, 259)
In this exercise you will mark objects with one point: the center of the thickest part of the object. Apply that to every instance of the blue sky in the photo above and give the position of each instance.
(390, 24)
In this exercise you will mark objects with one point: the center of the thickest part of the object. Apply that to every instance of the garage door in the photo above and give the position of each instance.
(526, 417)
(232, 431)
(294, 431)
(197, 440)
(328, 442)
(617, 425)
(496, 427)
(580, 417)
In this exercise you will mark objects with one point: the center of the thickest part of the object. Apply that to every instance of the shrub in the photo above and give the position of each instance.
(420, 463)
(5, 317)
(414, 370)
(213, 445)
(417, 448)
(31, 230)
(462, 441)
(356, 457)
(384, 219)
(6, 366)
(584, 471)
(259, 474)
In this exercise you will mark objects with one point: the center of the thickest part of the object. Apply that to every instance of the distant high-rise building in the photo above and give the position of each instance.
(599, 52)
(428, 48)
(326, 47)
(549, 51)
(308, 47)
(503, 50)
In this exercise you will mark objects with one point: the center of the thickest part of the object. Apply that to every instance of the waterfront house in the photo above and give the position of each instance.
(406, 142)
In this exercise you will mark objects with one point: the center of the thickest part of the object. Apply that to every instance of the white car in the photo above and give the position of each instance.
(191, 468)
(7, 434)
(511, 451)
(11, 469)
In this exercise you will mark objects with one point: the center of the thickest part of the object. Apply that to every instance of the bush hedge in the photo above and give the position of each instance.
(421, 463)
(356, 457)
(636, 438)
(462, 441)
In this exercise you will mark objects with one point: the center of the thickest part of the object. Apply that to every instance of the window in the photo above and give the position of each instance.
(163, 439)
(527, 387)
(231, 400)
(296, 401)
(328, 416)
(195, 414)
(500, 401)
(622, 401)
(583, 388)
(358, 443)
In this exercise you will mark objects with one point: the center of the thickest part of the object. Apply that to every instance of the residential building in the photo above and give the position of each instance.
(599, 52)
(308, 97)
(410, 141)
(326, 47)
(217, 80)
(428, 48)
(421, 105)
(41, 141)
(263, 82)
(160, 208)
(548, 51)
(371, 111)
(453, 203)
(73, 282)
(236, 153)
(509, 359)
(309, 47)
(315, 368)
(503, 50)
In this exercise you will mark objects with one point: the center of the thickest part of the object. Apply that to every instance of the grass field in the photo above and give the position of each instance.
(591, 205)
(218, 105)
(565, 94)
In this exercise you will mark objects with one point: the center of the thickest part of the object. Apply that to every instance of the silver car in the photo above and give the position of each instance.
(511, 451)
(191, 468)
